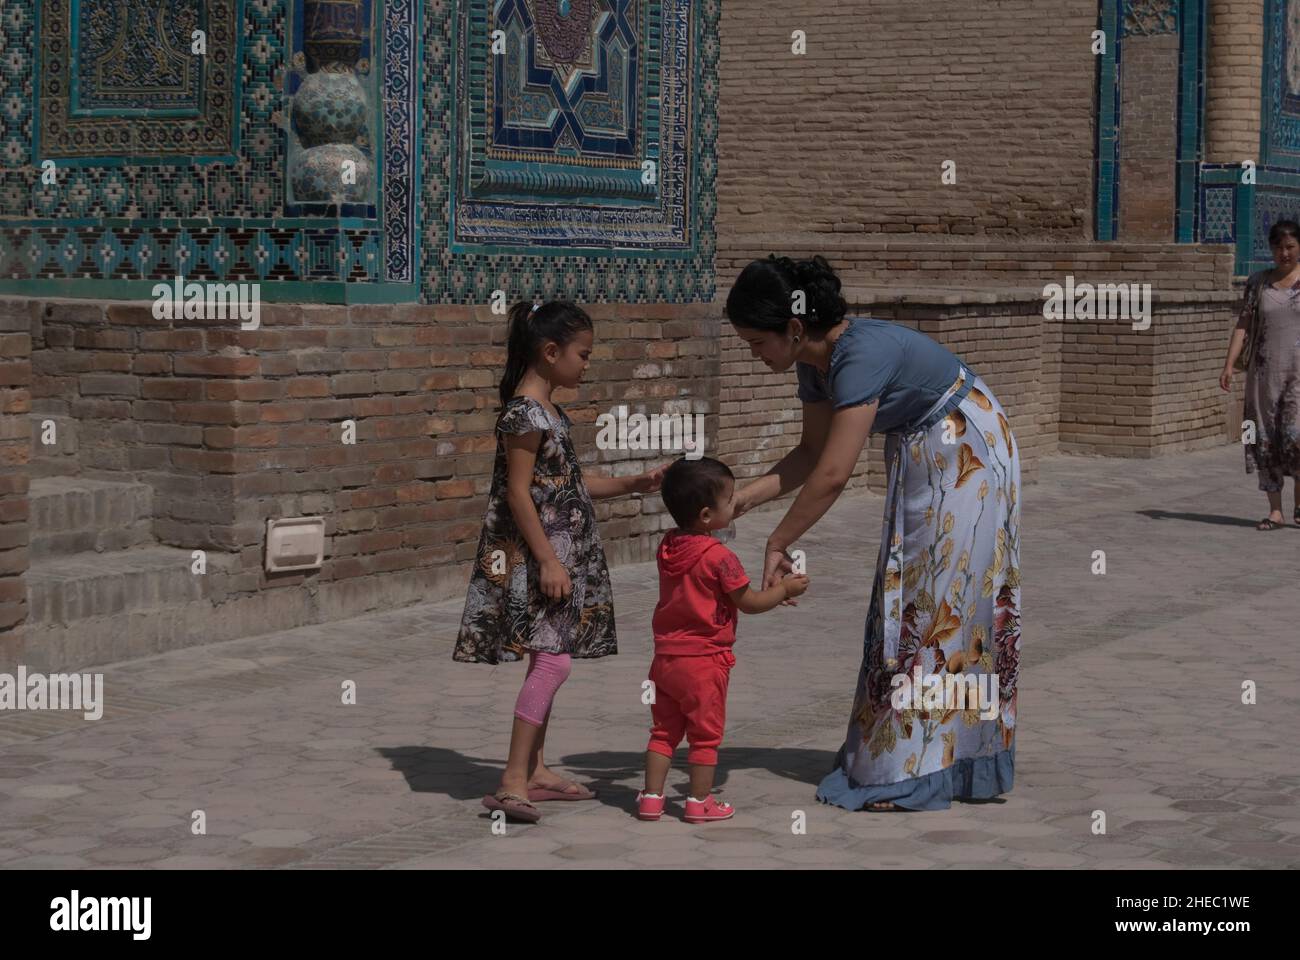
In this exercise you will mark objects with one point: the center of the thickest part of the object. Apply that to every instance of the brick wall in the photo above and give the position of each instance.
(850, 137)
(1190, 411)
(1107, 387)
(1148, 144)
(1145, 393)
(233, 427)
(838, 151)
(15, 453)
(908, 264)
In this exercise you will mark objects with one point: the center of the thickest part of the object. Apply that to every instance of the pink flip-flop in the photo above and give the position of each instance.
(514, 806)
(542, 794)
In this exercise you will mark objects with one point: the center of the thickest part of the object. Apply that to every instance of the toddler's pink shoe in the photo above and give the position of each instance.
(708, 809)
(649, 806)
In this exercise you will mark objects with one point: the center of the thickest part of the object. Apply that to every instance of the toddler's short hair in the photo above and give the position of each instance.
(691, 485)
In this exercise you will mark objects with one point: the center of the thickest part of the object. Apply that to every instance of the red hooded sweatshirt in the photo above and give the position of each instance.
(695, 615)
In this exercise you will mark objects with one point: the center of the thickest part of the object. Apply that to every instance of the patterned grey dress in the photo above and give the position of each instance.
(1272, 399)
(506, 614)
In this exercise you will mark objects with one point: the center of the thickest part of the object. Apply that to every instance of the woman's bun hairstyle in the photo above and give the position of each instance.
(764, 295)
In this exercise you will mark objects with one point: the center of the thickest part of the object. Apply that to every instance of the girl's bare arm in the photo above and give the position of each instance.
(521, 456)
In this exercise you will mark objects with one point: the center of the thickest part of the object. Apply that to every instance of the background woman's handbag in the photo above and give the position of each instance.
(1248, 345)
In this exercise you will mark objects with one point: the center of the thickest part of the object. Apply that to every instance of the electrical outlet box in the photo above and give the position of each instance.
(295, 543)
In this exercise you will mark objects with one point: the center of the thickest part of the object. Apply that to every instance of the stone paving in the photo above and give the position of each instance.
(1130, 704)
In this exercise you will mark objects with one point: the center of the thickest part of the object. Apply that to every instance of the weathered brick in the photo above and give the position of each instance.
(216, 366)
(308, 387)
(16, 373)
(171, 340)
(159, 389)
(320, 361)
(454, 488)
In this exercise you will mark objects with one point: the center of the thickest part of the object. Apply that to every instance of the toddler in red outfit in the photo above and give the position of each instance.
(701, 586)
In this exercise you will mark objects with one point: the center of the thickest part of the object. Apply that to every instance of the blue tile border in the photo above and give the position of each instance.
(1191, 119)
(1106, 180)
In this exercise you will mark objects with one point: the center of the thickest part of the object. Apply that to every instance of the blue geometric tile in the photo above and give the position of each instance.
(219, 255)
(69, 253)
(369, 257)
(262, 254)
(113, 193)
(1218, 214)
(145, 255)
(183, 255)
(107, 253)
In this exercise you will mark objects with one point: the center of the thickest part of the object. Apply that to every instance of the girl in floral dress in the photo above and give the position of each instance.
(540, 585)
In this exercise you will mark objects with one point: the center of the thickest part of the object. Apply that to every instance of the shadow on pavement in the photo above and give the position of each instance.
(439, 770)
(1198, 518)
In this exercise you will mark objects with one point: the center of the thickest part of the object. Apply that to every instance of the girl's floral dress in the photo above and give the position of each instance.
(506, 614)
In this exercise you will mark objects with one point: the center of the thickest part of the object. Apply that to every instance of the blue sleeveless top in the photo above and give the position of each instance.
(880, 360)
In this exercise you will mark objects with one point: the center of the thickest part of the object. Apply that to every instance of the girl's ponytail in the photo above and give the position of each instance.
(518, 349)
(532, 326)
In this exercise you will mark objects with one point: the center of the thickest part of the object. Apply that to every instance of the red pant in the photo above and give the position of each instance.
(690, 701)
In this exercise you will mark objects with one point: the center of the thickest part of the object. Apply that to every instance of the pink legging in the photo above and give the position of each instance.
(546, 671)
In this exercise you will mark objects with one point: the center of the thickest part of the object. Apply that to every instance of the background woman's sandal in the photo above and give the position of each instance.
(1268, 524)
(515, 807)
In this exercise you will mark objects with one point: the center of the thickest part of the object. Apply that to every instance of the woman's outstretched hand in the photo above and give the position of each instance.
(776, 564)
(744, 502)
(650, 481)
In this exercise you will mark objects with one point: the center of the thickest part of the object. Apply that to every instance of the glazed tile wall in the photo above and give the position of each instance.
(159, 183)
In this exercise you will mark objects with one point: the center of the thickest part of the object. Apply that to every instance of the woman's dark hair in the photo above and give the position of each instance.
(691, 485)
(532, 326)
(1283, 228)
(763, 296)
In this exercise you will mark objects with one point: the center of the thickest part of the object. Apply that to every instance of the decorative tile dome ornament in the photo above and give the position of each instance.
(330, 109)
(333, 34)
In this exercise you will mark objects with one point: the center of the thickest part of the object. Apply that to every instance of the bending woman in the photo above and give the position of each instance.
(945, 605)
